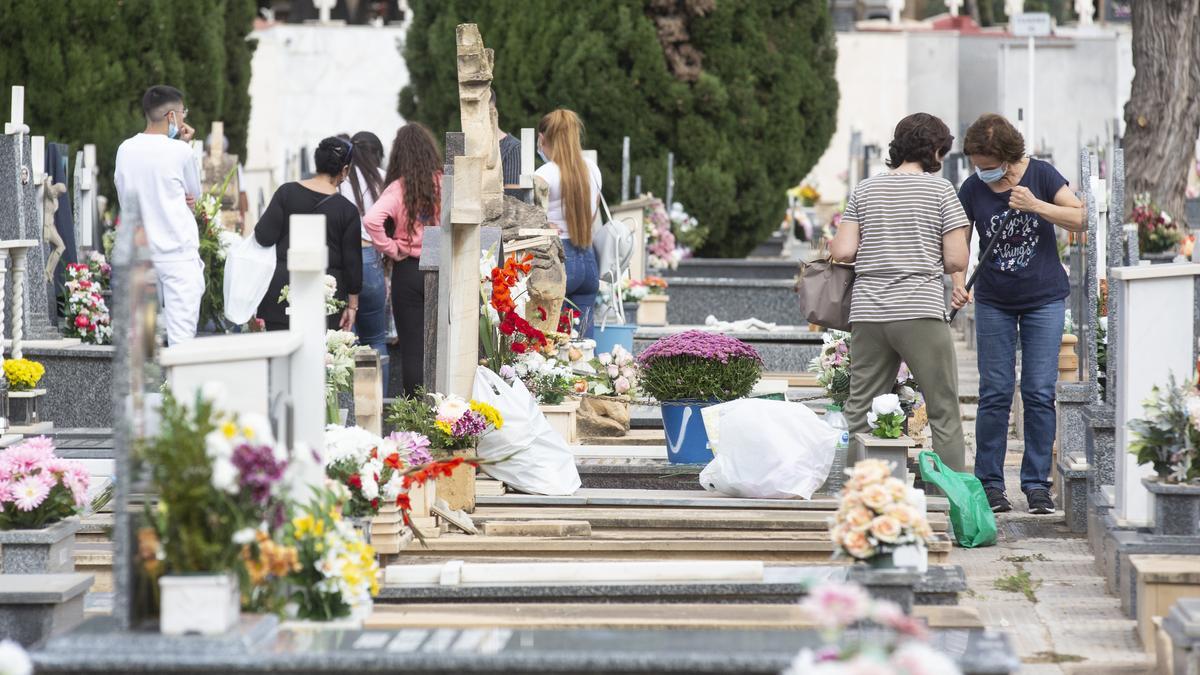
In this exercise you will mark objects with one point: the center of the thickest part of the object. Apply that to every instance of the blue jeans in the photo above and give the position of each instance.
(997, 332)
(371, 324)
(583, 283)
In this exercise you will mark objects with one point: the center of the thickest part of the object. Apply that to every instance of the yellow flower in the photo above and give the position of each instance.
(248, 433)
(303, 525)
(229, 430)
(23, 374)
(489, 413)
(444, 427)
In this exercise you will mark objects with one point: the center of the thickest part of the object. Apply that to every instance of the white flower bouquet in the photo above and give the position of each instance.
(876, 514)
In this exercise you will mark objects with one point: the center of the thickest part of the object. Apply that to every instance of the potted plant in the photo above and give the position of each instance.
(219, 478)
(832, 367)
(40, 495)
(652, 310)
(339, 372)
(1158, 234)
(877, 516)
(891, 642)
(887, 441)
(24, 396)
(551, 383)
(688, 371)
(453, 426)
(1167, 438)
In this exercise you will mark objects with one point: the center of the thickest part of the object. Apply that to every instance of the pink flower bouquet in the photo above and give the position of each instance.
(876, 515)
(38, 488)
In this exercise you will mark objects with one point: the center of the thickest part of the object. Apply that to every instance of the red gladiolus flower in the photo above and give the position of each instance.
(375, 503)
(541, 313)
(393, 460)
(354, 481)
(403, 502)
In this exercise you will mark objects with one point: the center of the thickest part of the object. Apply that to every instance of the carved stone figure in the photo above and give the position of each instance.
(548, 277)
(603, 416)
(51, 191)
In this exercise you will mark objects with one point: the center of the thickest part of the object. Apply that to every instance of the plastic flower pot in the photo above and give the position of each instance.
(609, 336)
(652, 311)
(687, 441)
(204, 604)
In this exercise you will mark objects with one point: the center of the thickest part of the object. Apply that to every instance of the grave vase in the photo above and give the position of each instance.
(204, 604)
(631, 310)
(385, 531)
(458, 489)
(563, 418)
(1176, 507)
(894, 450)
(1068, 361)
(49, 550)
(687, 440)
(24, 407)
(652, 311)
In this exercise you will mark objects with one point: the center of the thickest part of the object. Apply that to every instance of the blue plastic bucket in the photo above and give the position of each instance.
(687, 441)
(607, 337)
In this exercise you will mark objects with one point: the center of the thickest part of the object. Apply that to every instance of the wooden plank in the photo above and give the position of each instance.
(743, 547)
(675, 498)
(627, 616)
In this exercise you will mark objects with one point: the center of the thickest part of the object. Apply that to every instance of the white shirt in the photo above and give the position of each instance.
(554, 210)
(154, 176)
(347, 191)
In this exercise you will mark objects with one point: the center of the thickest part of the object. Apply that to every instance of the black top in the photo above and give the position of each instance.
(342, 237)
(1024, 270)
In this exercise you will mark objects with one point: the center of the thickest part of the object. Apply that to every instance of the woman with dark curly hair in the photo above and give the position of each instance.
(412, 200)
(904, 230)
(1020, 295)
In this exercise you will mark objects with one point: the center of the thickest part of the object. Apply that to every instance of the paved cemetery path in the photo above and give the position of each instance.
(1057, 612)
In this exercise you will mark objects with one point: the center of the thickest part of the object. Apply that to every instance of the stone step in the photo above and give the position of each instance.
(694, 299)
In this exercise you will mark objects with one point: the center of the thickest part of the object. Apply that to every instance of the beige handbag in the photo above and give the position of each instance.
(825, 288)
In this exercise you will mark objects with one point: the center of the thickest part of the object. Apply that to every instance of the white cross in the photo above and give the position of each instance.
(954, 6)
(895, 7)
(323, 9)
(16, 123)
(1085, 8)
(1014, 7)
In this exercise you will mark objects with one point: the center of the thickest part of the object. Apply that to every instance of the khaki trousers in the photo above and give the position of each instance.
(876, 350)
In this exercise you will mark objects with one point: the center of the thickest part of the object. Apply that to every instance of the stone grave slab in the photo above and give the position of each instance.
(34, 607)
(724, 268)
(693, 299)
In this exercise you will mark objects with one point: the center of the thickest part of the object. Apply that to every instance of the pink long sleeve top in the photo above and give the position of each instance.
(391, 205)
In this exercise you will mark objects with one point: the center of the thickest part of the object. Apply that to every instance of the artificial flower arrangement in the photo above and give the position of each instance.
(876, 514)
(699, 366)
(897, 645)
(807, 194)
(887, 417)
(1157, 232)
(1168, 435)
(661, 249)
(38, 488)
(635, 290)
(215, 242)
(503, 329)
(616, 374)
(367, 465)
(689, 234)
(547, 379)
(448, 422)
(832, 367)
(100, 269)
(336, 573)
(332, 304)
(339, 369)
(220, 479)
(85, 313)
(907, 390)
(23, 374)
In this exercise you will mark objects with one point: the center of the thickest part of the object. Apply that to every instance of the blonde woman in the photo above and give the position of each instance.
(574, 198)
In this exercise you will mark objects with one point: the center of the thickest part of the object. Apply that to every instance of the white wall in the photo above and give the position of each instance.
(308, 82)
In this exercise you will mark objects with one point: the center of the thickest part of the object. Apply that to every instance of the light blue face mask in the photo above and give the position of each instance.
(992, 175)
(172, 128)
(542, 155)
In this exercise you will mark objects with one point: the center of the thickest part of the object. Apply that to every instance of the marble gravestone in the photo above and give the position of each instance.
(20, 219)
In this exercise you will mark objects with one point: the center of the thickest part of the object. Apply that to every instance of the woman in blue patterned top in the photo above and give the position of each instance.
(1020, 299)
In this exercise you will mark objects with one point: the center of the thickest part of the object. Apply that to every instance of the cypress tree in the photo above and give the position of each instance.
(748, 122)
(239, 21)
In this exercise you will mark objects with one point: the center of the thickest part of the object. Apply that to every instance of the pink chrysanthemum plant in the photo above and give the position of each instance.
(37, 487)
(699, 366)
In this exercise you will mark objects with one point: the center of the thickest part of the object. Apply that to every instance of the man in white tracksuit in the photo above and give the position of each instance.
(157, 182)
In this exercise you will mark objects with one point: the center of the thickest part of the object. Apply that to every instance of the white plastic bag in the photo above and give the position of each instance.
(248, 271)
(767, 449)
(543, 463)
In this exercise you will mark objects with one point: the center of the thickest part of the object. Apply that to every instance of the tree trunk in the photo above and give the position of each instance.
(1162, 117)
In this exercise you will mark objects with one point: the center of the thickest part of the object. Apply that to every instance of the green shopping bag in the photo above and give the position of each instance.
(971, 517)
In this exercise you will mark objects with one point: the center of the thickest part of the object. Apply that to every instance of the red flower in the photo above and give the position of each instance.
(81, 321)
(518, 347)
(375, 503)
(354, 481)
(403, 503)
(393, 460)
(541, 313)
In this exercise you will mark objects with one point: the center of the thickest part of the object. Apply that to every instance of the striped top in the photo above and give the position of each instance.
(898, 271)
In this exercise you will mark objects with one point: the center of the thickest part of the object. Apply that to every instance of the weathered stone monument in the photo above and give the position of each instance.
(216, 167)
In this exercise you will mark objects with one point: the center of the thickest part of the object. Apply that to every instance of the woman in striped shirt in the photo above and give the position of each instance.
(904, 230)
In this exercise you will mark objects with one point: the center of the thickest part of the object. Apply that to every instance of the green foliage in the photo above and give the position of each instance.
(890, 425)
(691, 378)
(1167, 435)
(86, 63)
(754, 122)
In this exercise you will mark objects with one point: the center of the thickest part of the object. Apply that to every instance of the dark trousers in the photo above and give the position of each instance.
(408, 309)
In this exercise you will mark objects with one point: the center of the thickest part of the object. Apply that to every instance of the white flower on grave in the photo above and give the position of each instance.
(218, 445)
(1193, 410)
(14, 660)
(451, 408)
(887, 404)
(224, 475)
(244, 536)
(393, 487)
(1180, 470)
(256, 428)
(226, 239)
(918, 658)
(370, 487)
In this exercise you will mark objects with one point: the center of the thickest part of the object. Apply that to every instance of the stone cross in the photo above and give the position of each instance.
(84, 200)
(323, 9)
(528, 150)
(954, 6)
(478, 196)
(1014, 7)
(1157, 303)
(895, 8)
(1085, 9)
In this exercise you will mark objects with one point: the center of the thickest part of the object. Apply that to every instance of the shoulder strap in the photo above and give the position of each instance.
(327, 198)
(604, 205)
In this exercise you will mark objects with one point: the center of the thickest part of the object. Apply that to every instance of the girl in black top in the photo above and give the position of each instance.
(316, 195)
